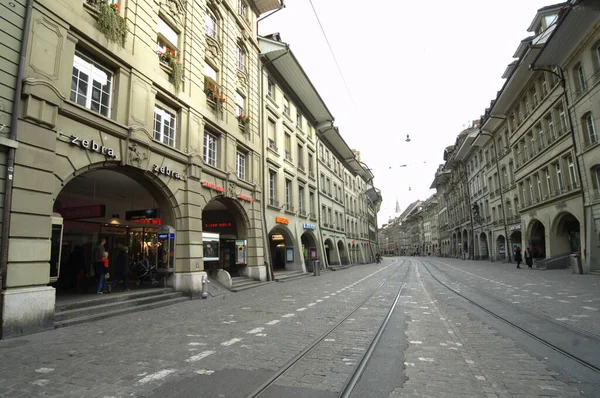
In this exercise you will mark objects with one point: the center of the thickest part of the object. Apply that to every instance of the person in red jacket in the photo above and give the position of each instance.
(103, 271)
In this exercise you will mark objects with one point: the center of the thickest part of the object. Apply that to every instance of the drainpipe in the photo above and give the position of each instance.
(10, 159)
(266, 245)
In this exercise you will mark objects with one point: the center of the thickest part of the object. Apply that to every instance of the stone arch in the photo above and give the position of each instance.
(501, 247)
(331, 253)
(344, 255)
(281, 238)
(153, 183)
(483, 246)
(564, 234)
(536, 238)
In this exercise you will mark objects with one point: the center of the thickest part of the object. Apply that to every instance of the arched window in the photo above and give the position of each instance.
(579, 80)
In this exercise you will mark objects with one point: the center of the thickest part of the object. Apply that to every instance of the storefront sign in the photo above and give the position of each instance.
(246, 198)
(277, 237)
(282, 220)
(142, 214)
(217, 225)
(210, 185)
(114, 231)
(241, 255)
(149, 221)
(515, 227)
(74, 213)
(93, 146)
(309, 226)
(166, 171)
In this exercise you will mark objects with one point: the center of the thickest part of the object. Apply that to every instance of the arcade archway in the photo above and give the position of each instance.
(483, 246)
(344, 257)
(281, 246)
(500, 247)
(121, 205)
(565, 237)
(225, 236)
(310, 250)
(537, 239)
(331, 253)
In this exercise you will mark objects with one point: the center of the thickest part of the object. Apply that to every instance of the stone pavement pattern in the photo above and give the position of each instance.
(452, 355)
(136, 354)
(565, 297)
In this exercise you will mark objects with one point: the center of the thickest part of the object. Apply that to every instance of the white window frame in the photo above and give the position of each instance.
(272, 187)
(571, 167)
(167, 37)
(548, 182)
(240, 165)
(210, 149)
(301, 199)
(270, 88)
(240, 104)
(591, 129)
(559, 179)
(211, 23)
(241, 58)
(166, 133)
(95, 74)
(288, 194)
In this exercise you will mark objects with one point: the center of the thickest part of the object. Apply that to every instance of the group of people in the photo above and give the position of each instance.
(101, 267)
(528, 257)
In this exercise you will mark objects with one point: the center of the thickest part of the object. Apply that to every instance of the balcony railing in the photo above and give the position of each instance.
(271, 145)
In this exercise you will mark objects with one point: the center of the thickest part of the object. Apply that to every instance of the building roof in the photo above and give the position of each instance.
(263, 6)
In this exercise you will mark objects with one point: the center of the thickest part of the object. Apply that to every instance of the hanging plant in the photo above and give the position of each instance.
(110, 22)
(243, 119)
(169, 57)
(213, 94)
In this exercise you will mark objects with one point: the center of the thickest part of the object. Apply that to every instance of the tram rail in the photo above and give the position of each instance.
(555, 346)
(352, 380)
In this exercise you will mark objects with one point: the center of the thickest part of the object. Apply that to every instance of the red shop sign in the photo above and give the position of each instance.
(148, 221)
(210, 185)
(74, 213)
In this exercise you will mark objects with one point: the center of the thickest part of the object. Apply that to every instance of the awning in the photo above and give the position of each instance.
(263, 6)
(440, 178)
(280, 60)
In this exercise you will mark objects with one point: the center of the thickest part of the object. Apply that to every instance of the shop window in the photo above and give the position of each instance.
(164, 126)
(91, 85)
(210, 147)
(240, 165)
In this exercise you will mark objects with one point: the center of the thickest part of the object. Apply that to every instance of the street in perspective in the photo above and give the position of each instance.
(451, 328)
(261, 198)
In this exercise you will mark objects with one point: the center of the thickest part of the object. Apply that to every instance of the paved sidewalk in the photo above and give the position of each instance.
(559, 294)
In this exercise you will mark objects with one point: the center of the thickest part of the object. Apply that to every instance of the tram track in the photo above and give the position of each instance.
(355, 376)
(583, 332)
(556, 346)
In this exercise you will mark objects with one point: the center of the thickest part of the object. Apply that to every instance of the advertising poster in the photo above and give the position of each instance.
(210, 242)
(289, 254)
(313, 253)
(241, 251)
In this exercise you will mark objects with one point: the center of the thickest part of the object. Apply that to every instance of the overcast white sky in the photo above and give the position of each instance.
(424, 68)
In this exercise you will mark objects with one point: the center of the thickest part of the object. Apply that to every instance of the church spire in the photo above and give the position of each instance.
(397, 206)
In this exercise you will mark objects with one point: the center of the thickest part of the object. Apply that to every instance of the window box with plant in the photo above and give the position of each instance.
(170, 59)
(214, 94)
(109, 20)
(243, 119)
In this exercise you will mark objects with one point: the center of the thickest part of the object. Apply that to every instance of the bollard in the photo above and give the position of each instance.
(316, 268)
(205, 283)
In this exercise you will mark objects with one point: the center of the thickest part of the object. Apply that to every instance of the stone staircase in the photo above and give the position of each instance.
(286, 276)
(241, 283)
(113, 304)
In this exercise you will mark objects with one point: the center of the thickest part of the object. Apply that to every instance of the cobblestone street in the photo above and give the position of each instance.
(228, 345)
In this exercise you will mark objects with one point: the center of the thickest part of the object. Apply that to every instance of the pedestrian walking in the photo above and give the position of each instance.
(122, 268)
(102, 272)
(529, 257)
(518, 257)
